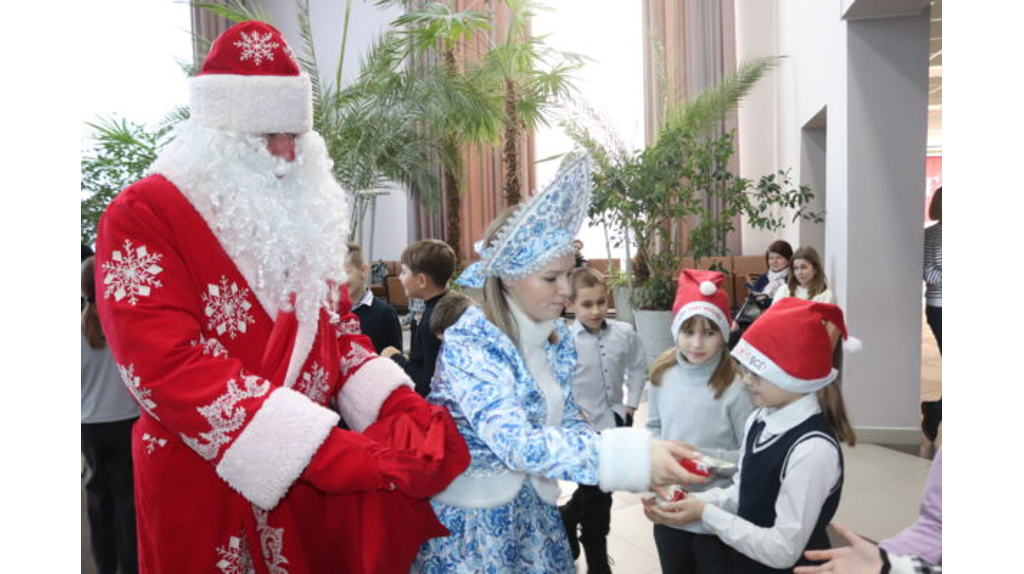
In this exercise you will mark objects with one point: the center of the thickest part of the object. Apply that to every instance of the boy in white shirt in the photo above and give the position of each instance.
(610, 354)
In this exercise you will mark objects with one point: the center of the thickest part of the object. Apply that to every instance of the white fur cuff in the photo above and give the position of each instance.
(363, 394)
(624, 456)
(275, 447)
(252, 104)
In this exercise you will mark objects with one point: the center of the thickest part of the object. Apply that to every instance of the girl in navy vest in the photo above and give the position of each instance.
(791, 470)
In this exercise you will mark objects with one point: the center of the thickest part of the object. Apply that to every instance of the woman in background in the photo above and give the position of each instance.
(108, 413)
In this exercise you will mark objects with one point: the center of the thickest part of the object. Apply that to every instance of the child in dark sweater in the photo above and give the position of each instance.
(426, 268)
(377, 319)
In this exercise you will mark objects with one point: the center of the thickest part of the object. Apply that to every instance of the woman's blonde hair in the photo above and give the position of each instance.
(819, 284)
(495, 304)
(725, 372)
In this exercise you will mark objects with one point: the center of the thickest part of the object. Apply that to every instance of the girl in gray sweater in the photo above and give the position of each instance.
(697, 397)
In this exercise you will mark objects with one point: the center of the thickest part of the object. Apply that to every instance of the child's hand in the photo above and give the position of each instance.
(681, 513)
(388, 351)
(859, 557)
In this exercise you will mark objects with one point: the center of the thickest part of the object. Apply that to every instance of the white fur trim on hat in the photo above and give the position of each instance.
(275, 447)
(624, 459)
(365, 391)
(252, 104)
(853, 345)
(762, 366)
(704, 309)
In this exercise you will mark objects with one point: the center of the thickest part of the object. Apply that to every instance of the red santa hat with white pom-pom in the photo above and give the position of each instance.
(790, 345)
(700, 293)
(251, 83)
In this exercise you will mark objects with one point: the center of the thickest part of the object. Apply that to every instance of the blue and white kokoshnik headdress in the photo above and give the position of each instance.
(541, 230)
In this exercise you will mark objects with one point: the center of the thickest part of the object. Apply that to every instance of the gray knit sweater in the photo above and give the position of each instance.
(683, 407)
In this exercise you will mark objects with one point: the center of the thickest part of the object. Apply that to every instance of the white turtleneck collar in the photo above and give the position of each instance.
(532, 334)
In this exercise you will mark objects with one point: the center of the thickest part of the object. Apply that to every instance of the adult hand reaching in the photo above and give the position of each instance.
(665, 467)
(860, 557)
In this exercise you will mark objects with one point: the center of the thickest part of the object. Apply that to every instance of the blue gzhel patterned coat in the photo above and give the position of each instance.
(498, 407)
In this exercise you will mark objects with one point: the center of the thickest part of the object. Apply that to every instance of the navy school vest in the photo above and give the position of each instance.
(764, 463)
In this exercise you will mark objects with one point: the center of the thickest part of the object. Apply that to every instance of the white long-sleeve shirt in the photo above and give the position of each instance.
(812, 472)
(606, 360)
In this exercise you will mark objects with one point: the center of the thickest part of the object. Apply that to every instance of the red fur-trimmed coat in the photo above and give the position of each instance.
(239, 464)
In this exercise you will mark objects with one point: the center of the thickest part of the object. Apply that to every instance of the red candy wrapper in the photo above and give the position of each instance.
(705, 466)
(698, 466)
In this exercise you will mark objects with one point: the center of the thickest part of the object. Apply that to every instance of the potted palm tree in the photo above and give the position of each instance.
(684, 174)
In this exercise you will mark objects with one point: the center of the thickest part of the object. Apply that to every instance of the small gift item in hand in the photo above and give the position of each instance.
(704, 466)
(674, 493)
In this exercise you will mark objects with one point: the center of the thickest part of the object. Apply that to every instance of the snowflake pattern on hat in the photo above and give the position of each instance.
(257, 47)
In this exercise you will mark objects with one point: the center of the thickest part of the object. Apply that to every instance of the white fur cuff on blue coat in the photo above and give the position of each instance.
(624, 460)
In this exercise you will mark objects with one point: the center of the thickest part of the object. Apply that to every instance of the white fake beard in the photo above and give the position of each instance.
(284, 224)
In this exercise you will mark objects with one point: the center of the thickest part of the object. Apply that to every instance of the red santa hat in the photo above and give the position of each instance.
(700, 293)
(251, 83)
(790, 347)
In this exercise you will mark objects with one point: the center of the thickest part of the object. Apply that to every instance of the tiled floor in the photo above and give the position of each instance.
(882, 490)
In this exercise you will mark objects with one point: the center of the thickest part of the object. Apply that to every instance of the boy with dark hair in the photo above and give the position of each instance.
(427, 266)
(610, 354)
(447, 312)
(377, 319)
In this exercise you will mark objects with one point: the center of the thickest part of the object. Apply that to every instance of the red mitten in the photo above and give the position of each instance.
(424, 440)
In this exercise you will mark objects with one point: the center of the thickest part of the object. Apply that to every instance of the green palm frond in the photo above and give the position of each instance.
(437, 22)
(307, 61)
(696, 116)
(174, 117)
(236, 11)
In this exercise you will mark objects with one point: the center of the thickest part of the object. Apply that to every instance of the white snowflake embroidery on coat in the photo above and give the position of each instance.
(132, 273)
(256, 47)
(271, 542)
(348, 327)
(235, 559)
(152, 442)
(314, 383)
(225, 416)
(357, 355)
(227, 308)
(210, 346)
(134, 385)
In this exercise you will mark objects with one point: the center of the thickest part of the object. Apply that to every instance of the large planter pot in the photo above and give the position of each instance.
(654, 329)
(623, 309)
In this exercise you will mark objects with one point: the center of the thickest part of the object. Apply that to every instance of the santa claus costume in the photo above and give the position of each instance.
(221, 275)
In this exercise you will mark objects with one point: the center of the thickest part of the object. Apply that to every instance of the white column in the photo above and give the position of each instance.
(886, 113)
